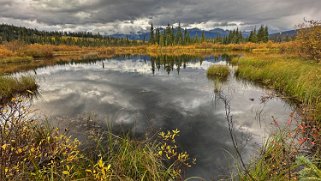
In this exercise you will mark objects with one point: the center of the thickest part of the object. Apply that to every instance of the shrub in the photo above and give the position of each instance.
(281, 158)
(14, 45)
(4, 52)
(33, 150)
(309, 37)
(39, 51)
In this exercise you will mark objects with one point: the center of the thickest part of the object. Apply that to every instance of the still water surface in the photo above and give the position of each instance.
(142, 92)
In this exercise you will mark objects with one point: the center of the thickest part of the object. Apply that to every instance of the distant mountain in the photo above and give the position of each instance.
(283, 36)
(217, 32)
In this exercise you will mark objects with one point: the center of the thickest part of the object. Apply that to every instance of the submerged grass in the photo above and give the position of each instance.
(218, 71)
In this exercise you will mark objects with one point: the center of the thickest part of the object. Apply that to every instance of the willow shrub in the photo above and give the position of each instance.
(309, 38)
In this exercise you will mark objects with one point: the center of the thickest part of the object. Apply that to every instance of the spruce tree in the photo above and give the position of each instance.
(179, 35)
(266, 34)
(172, 36)
(187, 38)
(157, 36)
(196, 38)
(151, 39)
(260, 34)
(203, 36)
(253, 36)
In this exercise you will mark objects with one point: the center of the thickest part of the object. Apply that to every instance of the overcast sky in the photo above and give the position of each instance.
(125, 16)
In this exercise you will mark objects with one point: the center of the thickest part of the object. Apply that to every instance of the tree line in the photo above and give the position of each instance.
(171, 36)
(30, 36)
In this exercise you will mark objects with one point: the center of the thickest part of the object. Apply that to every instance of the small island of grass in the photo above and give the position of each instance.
(218, 71)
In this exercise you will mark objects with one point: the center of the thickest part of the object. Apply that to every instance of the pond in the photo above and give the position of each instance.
(143, 93)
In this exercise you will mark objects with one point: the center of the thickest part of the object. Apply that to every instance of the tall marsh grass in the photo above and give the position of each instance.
(292, 76)
(218, 71)
(10, 86)
(289, 154)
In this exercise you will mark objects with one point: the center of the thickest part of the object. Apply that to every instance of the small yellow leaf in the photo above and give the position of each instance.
(100, 163)
(4, 146)
(65, 172)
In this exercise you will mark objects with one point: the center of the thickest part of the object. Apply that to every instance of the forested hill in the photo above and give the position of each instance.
(29, 36)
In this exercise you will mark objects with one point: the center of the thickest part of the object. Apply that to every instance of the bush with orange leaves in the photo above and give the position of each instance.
(4, 52)
(37, 50)
(309, 38)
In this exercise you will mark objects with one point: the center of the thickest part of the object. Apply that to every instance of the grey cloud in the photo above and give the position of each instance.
(124, 16)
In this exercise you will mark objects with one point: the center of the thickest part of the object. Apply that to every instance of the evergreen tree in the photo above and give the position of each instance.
(203, 36)
(260, 34)
(196, 38)
(151, 38)
(168, 35)
(187, 38)
(162, 39)
(266, 34)
(157, 36)
(253, 36)
(172, 36)
(179, 35)
(239, 37)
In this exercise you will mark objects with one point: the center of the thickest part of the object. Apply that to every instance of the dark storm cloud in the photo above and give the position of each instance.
(134, 15)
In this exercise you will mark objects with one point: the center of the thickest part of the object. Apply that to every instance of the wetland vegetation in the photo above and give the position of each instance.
(31, 149)
(218, 71)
